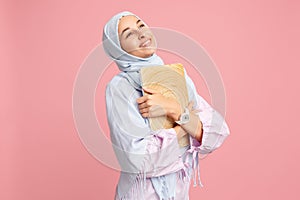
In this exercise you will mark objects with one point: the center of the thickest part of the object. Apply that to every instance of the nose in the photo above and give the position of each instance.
(141, 35)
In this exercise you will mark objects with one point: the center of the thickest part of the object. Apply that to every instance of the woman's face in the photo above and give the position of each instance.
(135, 37)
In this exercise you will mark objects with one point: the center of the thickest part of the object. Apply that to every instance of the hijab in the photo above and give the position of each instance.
(126, 62)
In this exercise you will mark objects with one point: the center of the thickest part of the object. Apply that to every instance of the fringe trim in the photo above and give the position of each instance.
(139, 184)
(196, 170)
(138, 188)
(194, 152)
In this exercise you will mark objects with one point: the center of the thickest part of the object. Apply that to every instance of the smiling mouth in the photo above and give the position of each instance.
(147, 43)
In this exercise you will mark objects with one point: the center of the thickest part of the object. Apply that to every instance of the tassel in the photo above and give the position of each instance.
(144, 180)
(196, 164)
(199, 179)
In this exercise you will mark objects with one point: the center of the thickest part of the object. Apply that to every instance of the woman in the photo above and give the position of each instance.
(155, 164)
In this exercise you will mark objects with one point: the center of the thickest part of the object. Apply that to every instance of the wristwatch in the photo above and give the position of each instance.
(184, 117)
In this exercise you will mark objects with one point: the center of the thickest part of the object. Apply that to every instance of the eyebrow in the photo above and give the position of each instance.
(124, 30)
(128, 27)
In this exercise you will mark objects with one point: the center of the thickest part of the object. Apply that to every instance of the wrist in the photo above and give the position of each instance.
(173, 114)
(174, 111)
(184, 117)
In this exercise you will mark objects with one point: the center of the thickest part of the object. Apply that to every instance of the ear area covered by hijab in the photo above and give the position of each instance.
(111, 44)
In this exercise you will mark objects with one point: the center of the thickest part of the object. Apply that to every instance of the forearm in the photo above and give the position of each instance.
(182, 136)
(193, 127)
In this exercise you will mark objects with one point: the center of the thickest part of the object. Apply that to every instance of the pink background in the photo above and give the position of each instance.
(255, 45)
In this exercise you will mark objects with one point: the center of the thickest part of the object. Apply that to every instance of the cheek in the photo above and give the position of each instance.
(129, 45)
(153, 39)
(154, 44)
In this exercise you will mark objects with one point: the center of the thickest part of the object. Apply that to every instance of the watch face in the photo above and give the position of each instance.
(185, 117)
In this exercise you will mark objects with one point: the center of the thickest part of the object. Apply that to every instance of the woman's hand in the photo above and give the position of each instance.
(155, 104)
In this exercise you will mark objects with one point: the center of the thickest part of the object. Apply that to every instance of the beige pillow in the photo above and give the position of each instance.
(170, 81)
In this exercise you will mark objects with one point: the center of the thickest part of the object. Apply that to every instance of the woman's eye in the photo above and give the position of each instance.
(142, 25)
(129, 34)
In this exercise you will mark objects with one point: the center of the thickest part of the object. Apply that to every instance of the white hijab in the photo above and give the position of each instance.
(111, 44)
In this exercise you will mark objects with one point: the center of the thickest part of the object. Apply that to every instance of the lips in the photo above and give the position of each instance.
(147, 43)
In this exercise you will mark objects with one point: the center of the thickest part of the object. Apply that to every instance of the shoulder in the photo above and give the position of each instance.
(117, 79)
(119, 86)
(118, 82)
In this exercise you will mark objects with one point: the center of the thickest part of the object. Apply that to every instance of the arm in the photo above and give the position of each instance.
(206, 125)
(213, 133)
(154, 104)
(194, 126)
(138, 149)
(214, 126)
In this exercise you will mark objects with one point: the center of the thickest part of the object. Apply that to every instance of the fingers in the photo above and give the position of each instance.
(146, 96)
(196, 111)
(142, 99)
(143, 105)
(144, 110)
(190, 105)
(145, 115)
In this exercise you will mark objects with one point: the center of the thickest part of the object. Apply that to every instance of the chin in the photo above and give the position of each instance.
(144, 53)
(147, 53)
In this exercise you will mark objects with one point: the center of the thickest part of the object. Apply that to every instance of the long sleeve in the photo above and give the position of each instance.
(137, 147)
(215, 129)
